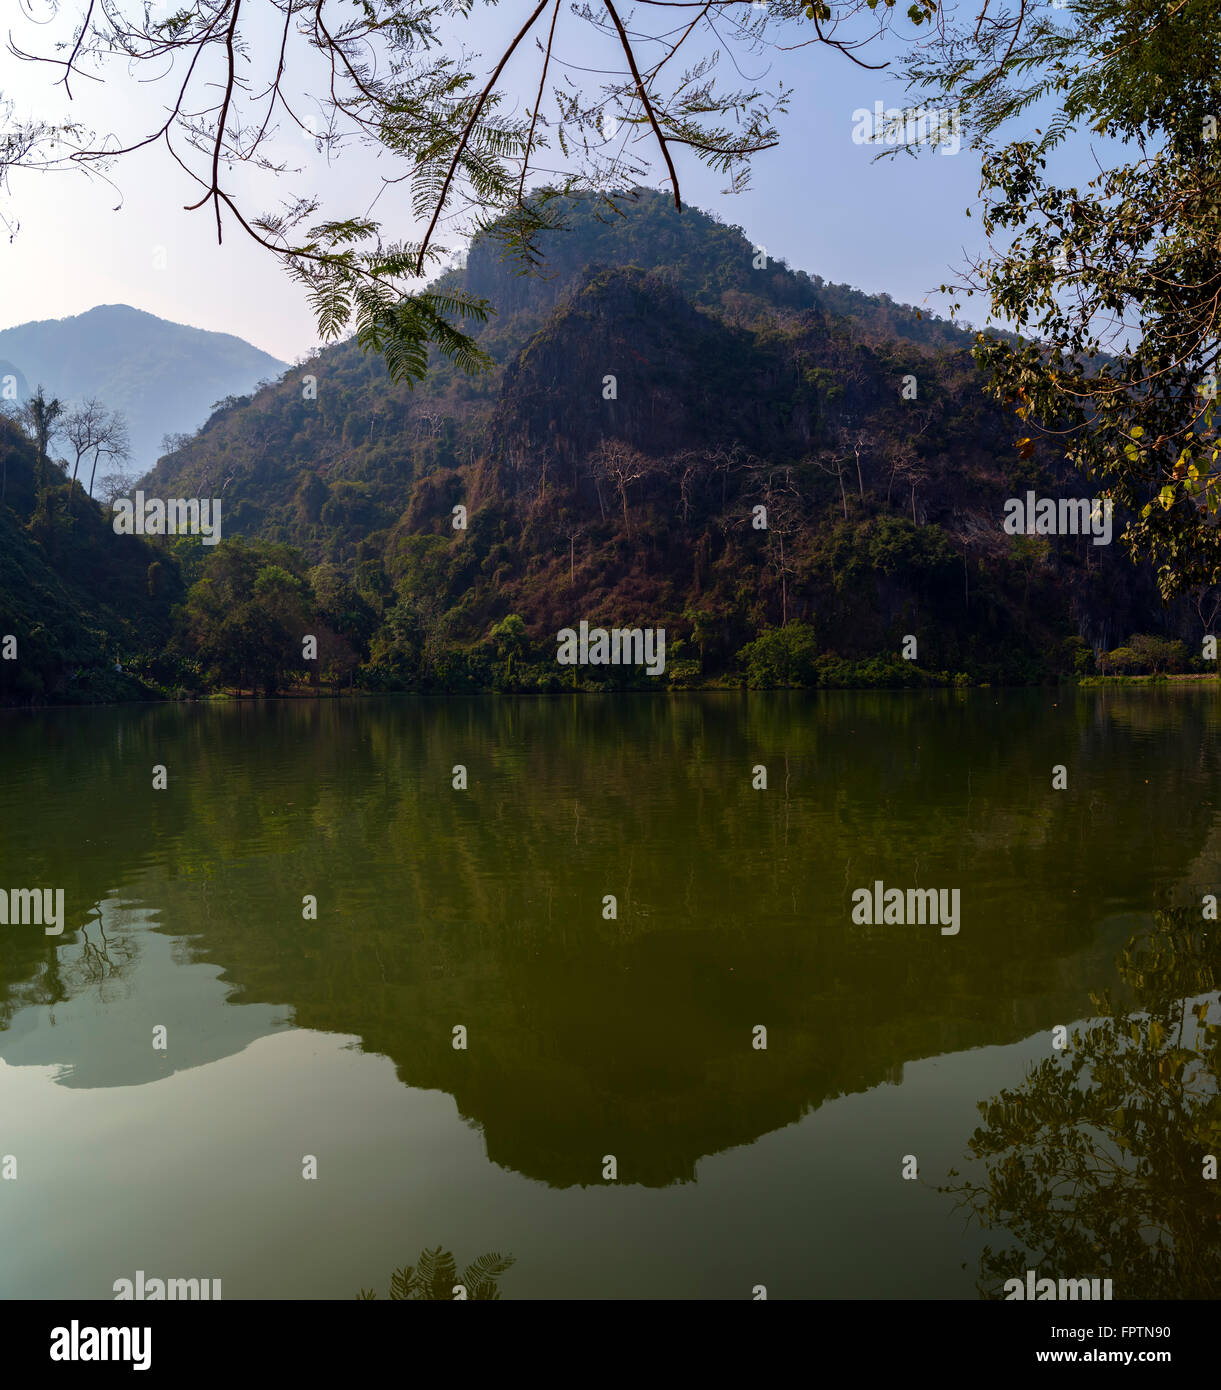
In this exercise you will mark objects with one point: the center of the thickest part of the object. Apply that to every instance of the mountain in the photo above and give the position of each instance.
(13, 385)
(656, 384)
(164, 377)
(365, 440)
(801, 484)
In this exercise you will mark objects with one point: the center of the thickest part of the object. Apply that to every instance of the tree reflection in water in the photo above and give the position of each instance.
(1103, 1163)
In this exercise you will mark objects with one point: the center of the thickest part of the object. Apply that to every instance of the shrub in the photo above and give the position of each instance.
(781, 656)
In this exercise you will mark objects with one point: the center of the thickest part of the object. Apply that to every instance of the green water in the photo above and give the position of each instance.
(586, 1037)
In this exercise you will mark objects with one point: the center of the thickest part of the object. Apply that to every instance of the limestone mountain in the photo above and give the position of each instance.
(659, 380)
(802, 484)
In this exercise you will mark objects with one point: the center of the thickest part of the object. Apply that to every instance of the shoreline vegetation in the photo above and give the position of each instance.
(509, 662)
(917, 680)
(921, 680)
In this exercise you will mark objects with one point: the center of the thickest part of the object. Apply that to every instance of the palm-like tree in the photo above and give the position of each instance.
(41, 415)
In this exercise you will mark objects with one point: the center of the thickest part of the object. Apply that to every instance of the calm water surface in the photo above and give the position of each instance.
(586, 1037)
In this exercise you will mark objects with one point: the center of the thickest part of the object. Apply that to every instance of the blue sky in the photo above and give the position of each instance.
(820, 201)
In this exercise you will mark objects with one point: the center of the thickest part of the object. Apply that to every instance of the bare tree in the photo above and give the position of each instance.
(858, 442)
(687, 467)
(785, 506)
(726, 462)
(429, 421)
(834, 462)
(623, 465)
(900, 455)
(1208, 601)
(172, 443)
(112, 486)
(914, 475)
(93, 430)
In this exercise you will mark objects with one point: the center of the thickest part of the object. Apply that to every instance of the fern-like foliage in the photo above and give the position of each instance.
(402, 1282)
(434, 1278)
(438, 1274)
(352, 283)
(481, 1275)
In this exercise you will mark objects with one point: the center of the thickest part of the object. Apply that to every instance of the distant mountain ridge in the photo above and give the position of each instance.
(164, 377)
(13, 385)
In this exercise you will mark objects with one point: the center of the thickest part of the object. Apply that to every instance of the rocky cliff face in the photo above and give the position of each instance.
(626, 357)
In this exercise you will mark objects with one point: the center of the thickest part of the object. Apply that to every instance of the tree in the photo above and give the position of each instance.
(397, 651)
(112, 486)
(41, 417)
(858, 442)
(511, 639)
(451, 134)
(174, 442)
(338, 603)
(781, 657)
(703, 630)
(1208, 601)
(280, 607)
(1116, 286)
(900, 456)
(832, 461)
(1094, 1163)
(1122, 661)
(1158, 654)
(623, 465)
(94, 430)
(6, 448)
(435, 1277)
(914, 473)
(245, 619)
(780, 495)
(1031, 555)
(337, 660)
(573, 529)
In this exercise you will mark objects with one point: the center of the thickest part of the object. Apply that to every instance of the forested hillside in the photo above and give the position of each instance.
(76, 599)
(659, 390)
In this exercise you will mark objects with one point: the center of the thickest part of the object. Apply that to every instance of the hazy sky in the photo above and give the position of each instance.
(820, 201)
